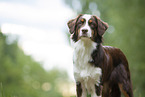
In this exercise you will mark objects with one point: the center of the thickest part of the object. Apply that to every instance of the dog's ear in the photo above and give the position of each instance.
(72, 24)
(102, 26)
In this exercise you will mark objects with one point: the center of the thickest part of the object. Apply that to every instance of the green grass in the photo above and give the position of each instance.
(1, 89)
(2, 93)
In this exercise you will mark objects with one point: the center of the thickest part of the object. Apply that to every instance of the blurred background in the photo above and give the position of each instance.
(35, 52)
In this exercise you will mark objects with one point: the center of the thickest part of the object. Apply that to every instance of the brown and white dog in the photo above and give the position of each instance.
(98, 70)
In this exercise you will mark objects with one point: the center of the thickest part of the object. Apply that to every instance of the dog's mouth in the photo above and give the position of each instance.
(84, 35)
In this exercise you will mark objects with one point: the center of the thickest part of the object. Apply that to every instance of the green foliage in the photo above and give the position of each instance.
(126, 20)
(21, 76)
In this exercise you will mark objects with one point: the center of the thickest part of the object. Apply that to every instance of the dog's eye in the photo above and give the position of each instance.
(90, 21)
(82, 20)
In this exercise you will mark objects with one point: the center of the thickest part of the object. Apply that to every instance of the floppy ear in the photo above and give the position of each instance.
(102, 26)
(72, 24)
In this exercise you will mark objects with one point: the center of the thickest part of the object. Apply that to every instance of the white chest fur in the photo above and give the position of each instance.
(84, 72)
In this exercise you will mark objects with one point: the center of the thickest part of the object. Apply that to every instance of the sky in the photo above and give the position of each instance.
(41, 27)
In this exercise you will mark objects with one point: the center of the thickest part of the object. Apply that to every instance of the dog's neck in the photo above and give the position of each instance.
(94, 51)
(85, 43)
(83, 50)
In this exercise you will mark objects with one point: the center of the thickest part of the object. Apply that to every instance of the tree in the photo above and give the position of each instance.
(22, 76)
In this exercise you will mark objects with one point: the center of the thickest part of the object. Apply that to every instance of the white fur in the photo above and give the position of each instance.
(86, 25)
(84, 72)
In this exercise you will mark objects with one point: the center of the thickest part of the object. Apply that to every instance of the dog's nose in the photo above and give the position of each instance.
(84, 31)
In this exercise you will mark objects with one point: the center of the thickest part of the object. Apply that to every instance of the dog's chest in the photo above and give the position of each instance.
(83, 70)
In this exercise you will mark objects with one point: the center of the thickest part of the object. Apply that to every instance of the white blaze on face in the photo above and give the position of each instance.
(86, 26)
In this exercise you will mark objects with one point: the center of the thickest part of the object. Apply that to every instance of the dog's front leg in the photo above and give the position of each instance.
(96, 91)
(81, 90)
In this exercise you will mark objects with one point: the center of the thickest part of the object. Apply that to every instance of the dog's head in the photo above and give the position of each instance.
(87, 26)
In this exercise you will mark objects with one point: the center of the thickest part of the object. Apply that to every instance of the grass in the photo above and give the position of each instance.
(2, 94)
(1, 89)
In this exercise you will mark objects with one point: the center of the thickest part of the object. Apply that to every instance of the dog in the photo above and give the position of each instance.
(101, 71)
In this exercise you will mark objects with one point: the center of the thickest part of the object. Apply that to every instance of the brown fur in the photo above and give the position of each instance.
(115, 71)
(79, 89)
